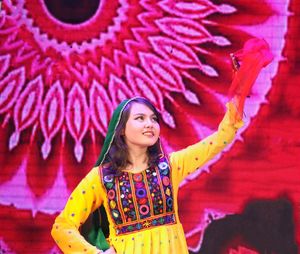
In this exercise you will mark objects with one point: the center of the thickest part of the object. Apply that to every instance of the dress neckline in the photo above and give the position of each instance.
(136, 172)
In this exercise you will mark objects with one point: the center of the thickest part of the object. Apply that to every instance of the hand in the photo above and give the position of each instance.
(253, 56)
(111, 250)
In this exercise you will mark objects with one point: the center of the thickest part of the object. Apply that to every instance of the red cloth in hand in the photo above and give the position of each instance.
(252, 58)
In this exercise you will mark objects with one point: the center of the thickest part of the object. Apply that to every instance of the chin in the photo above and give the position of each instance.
(148, 144)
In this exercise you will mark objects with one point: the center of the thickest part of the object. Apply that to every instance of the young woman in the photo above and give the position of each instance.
(137, 183)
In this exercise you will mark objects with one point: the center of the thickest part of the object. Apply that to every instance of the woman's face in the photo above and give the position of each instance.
(142, 128)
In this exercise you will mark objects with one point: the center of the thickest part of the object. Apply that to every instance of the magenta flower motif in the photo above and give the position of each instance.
(61, 78)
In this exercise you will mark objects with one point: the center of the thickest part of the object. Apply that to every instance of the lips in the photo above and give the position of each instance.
(148, 133)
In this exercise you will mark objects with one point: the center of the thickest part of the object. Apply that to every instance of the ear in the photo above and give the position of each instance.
(122, 132)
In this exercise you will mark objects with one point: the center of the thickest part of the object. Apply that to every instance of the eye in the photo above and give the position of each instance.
(155, 119)
(139, 118)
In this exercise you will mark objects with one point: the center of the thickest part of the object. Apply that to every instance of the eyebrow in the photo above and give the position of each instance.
(143, 114)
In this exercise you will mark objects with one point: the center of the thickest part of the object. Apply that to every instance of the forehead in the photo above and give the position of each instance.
(139, 108)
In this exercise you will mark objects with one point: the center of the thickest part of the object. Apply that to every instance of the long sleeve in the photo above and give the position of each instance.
(186, 161)
(83, 200)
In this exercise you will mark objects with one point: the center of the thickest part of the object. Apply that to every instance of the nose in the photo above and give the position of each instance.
(149, 123)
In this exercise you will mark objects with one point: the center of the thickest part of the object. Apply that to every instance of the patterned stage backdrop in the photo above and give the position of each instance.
(65, 65)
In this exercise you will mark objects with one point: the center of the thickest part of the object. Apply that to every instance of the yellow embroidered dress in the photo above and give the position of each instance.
(142, 207)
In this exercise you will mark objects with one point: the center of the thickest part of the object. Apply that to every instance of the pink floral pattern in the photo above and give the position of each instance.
(60, 82)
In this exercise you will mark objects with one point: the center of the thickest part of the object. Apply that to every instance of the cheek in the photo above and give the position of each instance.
(158, 129)
(131, 128)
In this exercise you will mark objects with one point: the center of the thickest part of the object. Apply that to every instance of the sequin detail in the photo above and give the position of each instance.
(141, 200)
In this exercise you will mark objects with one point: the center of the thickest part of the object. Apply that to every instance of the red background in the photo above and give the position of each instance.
(265, 165)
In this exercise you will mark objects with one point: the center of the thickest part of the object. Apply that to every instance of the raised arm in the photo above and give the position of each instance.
(248, 63)
(186, 161)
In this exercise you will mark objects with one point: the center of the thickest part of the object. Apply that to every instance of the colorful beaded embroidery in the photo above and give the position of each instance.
(142, 200)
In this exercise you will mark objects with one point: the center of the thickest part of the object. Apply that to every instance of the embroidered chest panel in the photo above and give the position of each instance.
(142, 200)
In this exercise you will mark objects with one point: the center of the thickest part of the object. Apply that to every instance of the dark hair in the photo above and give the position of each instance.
(117, 155)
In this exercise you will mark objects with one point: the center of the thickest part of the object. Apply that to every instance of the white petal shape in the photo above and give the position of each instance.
(52, 115)
(175, 52)
(209, 70)
(168, 119)
(162, 72)
(191, 97)
(221, 41)
(10, 88)
(4, 64)
(29, 104)
(226, 9)
(77, 117)
(101, 107)
(142, 85)
(46, 148)
(78, 151)
(184, 30)
(195, 9)
(77, 113)
(14, 140)
(2, 18)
